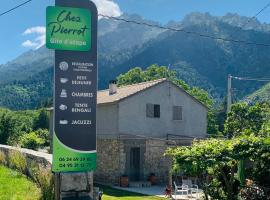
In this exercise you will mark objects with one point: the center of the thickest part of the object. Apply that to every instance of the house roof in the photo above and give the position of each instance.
(103, 96)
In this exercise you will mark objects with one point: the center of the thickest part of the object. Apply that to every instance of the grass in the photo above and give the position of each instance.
(115, 194)
(15, 186)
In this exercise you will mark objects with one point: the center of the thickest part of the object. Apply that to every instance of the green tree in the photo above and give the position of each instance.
(246, 118)
(216, 161)
(42, 121)
(6, 127)
(31, 141)
(15, 123)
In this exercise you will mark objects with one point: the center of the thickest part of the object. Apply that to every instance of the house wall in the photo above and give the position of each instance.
(133, 120)
(156, 162)
(129, 117)
(107, 120)
(111, 161)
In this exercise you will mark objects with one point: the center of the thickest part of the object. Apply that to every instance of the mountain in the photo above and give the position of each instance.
(116, 36)
(199, 61)
(261, 95)
(211, 59)
(28, 94)
(26, 65)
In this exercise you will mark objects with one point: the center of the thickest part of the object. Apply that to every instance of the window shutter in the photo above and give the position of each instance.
(149, 110)
(177, 113)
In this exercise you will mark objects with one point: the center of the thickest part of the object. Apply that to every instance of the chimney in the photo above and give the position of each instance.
(112, 87)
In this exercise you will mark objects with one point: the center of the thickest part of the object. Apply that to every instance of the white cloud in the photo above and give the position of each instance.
(105, 7)
(29, 43)
(108, 7)
(37, 29)
(39, 40)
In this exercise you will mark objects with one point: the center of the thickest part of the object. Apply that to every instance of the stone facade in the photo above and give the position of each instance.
(156, 162)
(132, 143)
(113, 159)
(110, 161)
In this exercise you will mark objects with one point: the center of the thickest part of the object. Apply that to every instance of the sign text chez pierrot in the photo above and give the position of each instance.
(71, 29)
(68, 28)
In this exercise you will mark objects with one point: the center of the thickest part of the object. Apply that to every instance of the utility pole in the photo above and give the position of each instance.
(229, 93)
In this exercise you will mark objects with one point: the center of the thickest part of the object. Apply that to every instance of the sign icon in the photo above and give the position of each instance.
(63, 107)
(63, 66)
(63, 122)
(63, 94)
(63, 80)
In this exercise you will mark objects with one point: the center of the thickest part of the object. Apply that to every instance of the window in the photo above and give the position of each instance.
(152, 110)
(177, 113)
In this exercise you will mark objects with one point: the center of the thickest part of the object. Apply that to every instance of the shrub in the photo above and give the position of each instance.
(44, 135)
(31, 141)
(17, 161)
(3, 160)
(44, 179)
(42, 121)
(253, 192)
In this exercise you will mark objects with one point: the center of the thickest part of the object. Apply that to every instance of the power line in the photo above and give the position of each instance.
(185, 31)
(251, 79)
(14, 8)
(249, 20)
(166, 28)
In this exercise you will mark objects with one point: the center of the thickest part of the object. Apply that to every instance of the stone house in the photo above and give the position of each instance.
(137, 123)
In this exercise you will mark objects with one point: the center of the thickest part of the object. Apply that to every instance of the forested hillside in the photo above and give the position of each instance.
(26, 82)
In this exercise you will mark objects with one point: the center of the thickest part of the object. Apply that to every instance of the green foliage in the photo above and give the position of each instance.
(17, 160)
(154, 72)
(44, 179)
(14, 124)
(3, 159)
(31, 141)
(44, 135)
(6, 127)
(202, 96)
(261, 95)
(245, 118)
(212, 126)
(253, 192)
(42, 121)
(40, 175)
(219, 158)
(16, 128)
(28, 94)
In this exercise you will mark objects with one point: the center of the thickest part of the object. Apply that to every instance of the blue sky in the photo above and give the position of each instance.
(15, 26)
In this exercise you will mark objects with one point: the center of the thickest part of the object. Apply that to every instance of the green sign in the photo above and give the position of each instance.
(66, 159)
(72, 32)
(68, 28)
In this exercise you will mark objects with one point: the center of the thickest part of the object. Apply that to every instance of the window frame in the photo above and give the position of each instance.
(174, 114)
(153, 110)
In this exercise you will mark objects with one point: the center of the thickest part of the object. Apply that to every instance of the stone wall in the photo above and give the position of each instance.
(113, 158)
(110, 161)
(156, 162)
(71, 184)
(43, 159)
